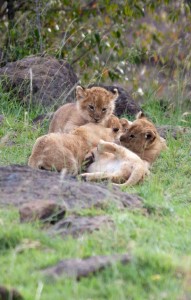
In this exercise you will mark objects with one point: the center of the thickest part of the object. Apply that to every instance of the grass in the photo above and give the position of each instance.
(157, 238)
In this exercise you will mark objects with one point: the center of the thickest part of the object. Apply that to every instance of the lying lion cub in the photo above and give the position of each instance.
(117, 164)
(121, 165)
(143, 139)
(94, 105)
(58, 150)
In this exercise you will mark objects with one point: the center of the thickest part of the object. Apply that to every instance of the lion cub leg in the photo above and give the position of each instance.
(112, 170)
(131, 162)
(125, 166)
(137, 175)
(133, 167)
(110, 147)
(100, 176)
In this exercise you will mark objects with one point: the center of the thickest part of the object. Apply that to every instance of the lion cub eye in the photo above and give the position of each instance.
(91, 107)
(104, 109)
(132, 136)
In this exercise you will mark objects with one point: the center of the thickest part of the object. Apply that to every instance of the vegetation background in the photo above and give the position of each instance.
(145, 47)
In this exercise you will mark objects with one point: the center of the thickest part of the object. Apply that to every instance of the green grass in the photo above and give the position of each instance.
(157, 237)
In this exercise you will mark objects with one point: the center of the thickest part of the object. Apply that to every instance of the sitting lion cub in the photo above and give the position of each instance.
(143, 139)
(61, 150)
(94, 105)
(116, 163)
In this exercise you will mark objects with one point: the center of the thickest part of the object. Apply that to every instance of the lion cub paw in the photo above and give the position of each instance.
(101, 146)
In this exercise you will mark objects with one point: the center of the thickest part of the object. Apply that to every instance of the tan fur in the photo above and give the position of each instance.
(125, 124)
(143, 139)
(120, 164)
(118, 125)
(93, 105)
(117, 164)
(114, 122)
(62, 150)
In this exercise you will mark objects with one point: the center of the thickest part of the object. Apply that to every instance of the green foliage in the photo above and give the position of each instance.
(95, 36)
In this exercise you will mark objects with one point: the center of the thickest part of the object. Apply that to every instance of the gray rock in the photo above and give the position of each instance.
(21, 184)
(44, 210)
(77, 225)
(84, 267)
(173, 131)
(53, 81)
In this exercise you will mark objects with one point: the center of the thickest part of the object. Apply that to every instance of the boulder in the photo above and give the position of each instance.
(40, 80)
(172, 131)
(21, 184)
(79, 268)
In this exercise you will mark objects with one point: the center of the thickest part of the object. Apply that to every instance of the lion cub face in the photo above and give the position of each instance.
(143, 139)
(95, 104)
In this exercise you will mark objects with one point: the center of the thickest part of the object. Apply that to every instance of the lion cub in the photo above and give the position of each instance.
(67, 151)
(116, 163)
(143, 139)
(93, 105)
(120, 164)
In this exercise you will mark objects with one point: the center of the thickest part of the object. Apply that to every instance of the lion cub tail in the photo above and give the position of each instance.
(137, 175)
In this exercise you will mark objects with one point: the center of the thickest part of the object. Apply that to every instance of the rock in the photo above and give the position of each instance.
(21, 184)
(9, 294)
(53, 81)
(78, 268)
(77, 225)
(125, 105)
(174, 131)
(45, 210)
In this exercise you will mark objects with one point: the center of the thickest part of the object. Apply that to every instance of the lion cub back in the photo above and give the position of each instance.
(93, 105)
(61, 150)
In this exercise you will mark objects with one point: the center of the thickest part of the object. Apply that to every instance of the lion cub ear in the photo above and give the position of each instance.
(115, 93)
(80, 93)
(150, 135)
(140, 115)
(124, 123)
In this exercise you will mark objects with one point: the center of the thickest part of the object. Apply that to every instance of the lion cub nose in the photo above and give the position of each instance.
(122, 138)
(97, 120)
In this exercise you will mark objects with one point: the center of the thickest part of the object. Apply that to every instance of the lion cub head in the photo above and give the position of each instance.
(95, 104)
(117, 124)
(143, 139)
